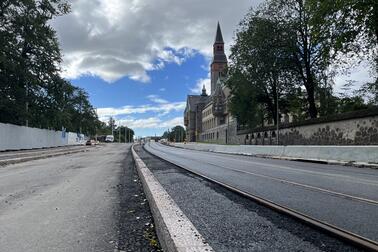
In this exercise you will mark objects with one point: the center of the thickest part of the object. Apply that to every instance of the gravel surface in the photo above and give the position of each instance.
(89, 201)
(136, 225)
(230, 222)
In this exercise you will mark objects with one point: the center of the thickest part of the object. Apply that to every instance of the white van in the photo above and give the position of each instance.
(109, 139)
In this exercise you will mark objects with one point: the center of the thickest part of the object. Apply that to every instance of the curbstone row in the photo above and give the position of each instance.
(175, 231)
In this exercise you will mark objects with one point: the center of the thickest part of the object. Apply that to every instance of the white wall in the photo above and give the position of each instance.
(13, 137)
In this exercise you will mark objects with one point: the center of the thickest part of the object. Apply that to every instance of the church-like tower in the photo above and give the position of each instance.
(219, 62)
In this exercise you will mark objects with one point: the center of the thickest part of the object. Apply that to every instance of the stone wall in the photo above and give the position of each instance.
(223, 134)
(354, 128)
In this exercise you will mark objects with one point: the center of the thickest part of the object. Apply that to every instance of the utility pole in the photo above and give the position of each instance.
(27, 105)
(112, 124)
(96, 126)
(119, 132)
(278, 118)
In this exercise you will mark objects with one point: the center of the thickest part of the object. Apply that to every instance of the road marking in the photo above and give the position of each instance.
(324, 174)
(354, 238)
(314, 188)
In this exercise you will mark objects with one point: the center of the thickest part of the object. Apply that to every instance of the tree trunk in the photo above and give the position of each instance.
(312, 110)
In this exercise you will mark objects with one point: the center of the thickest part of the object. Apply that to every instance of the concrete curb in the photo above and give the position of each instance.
(175, 231)
(26, 159)
(357, 164)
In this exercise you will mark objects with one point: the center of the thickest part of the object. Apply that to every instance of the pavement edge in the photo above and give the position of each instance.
(175, 231)
(26, 159)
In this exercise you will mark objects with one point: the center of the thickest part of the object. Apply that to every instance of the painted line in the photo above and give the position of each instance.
(175, 231)
(345, 235)
(325, 174)
(313, 188)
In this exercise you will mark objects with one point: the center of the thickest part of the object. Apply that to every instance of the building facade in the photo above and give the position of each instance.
(207, 118)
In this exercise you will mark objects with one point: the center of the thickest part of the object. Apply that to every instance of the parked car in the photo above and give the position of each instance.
(90, 142)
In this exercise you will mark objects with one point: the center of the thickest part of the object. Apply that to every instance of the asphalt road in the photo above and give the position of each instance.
(230, 222)
(78, 202)
(343, 196)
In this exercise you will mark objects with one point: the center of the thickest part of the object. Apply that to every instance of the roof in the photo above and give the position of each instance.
(218, 36)
(193, 100)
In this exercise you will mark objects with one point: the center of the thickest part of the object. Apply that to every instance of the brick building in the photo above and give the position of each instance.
(207, 118)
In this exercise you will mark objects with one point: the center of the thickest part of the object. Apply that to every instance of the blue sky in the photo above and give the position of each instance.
(160, 101)
(139, 59)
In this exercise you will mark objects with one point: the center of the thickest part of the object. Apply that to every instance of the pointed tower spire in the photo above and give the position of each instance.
(219, 62)
(204, 91)
(218, 36)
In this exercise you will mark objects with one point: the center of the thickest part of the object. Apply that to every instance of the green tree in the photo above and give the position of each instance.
(354, 27)
(260, 74)
(31, 88)
(353, 24)
(29, 56)
(124, 133)
(176, 134)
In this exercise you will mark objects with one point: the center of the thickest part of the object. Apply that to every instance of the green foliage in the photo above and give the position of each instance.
(350, 22)
(124, 134)
(31, 89)
(259, 69)
(286, 48)
(176, 134)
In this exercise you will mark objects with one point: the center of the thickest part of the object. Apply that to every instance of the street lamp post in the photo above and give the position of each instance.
(119, 132)
(278, 118)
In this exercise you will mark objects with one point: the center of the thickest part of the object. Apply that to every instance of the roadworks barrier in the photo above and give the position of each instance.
(175, 231)
(14, 137)
(353, 155)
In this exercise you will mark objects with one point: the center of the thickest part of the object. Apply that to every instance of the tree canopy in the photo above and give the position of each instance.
(284, 53)
(176, 134)
(31, 89)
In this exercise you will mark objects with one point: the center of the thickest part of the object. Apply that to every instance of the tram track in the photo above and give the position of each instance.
(333, 230)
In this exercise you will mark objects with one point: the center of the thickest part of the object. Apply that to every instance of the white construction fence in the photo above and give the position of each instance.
(14, 137)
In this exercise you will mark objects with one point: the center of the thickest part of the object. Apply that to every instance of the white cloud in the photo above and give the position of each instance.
(165, 108)
(116, 38)
(199, 85)
(151, 123)
(358, 74)
(157, 99)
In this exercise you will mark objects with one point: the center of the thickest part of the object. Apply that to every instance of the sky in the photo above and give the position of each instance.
(139, 59)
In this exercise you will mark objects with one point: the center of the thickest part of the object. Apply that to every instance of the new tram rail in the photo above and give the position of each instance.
(340, 233)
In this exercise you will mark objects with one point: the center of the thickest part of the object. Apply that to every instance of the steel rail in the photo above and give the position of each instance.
(347, 236)
(285, 181)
